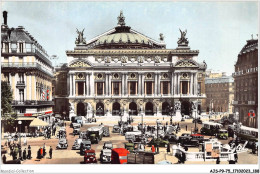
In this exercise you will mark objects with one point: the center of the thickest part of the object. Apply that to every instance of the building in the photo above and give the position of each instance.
(246, 84)
(28, 70)
(220, 93)
(214, 74)
(125, 72)
(61, 106)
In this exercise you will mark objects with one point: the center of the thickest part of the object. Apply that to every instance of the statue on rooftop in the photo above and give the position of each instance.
(80, 39)
(183, 40)
(161, 37)
(121, 19)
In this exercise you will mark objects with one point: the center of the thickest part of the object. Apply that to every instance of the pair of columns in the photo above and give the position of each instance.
(87, 87)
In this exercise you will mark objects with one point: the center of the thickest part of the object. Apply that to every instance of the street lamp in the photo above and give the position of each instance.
(157, 122)
(20, 124)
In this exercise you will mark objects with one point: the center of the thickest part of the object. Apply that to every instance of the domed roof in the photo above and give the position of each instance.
(123, 37)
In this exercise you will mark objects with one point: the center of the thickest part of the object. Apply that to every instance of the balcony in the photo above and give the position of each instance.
(31, 103)
(26, 65)
(251, 102)
(234, 102)
(27, 51)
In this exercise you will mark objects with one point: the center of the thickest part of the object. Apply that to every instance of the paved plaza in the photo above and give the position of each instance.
(69, 156)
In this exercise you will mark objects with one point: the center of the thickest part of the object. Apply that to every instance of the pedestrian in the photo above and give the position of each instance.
(168, 148)
(186, 127)
(4, 159)
(153, 149)
(254, 148)
(24, 154)
(41, 152)
(29, 152)
(50, 152)
(14, 156)
(11, 150)
(235, 155)
(186, 148)
(25, 141)
(44, 148)
(20, 153)
(218, 160)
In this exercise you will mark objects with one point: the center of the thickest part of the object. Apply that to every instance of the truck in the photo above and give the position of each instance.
(210, 128)
(119, 156)
(140, 158)
(95, 134)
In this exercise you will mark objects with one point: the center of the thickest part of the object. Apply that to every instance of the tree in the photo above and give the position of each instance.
(8, 117)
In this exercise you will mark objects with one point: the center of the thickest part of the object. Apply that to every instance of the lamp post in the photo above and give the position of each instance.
(157, 142)
(20, 124)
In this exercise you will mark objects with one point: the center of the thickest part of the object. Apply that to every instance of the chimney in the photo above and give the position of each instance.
(5, 17)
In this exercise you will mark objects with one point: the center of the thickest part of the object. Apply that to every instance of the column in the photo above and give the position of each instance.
(172, 80)
(180, 87)
(143, 84)
(145, 88)
(169, 92)
(191, 84)
(179, 83)
(126, 83)
(155, 83)
(112, 88)
(103, 83)
(109, 84)
(175, 83)
(159, 84)
(123, 84)
(188, 86)
(84, 89)
(196, 84)
(139, 83)
(96, 88)
(136, 88)
(106, 83)
(74, 85)
(86, 84)
(91, 84)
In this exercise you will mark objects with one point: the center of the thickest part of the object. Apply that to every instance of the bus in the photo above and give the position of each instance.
(210, 128)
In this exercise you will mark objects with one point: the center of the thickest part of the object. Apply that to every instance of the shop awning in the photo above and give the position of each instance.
(37, 122)
(25, 118)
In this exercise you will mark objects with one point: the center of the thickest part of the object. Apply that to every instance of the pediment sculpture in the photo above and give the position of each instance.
(79, 64)
(186, 64)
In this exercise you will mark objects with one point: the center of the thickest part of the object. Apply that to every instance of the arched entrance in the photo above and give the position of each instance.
(132, 108)
(100, 109)
(116, 108)
(185, 108)
(149, 108)
(81, 109)
(165, 107)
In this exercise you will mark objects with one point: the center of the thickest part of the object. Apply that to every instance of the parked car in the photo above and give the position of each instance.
(90, 156)
(188, 141)
(116, 129)
(130, 147)
(85, 145)
(76, 145)
(172, 138)
(159, 141)
(63, 144)
(198, 137)
(222, 134)
(105, 155)
(106, 131)
(108, 145)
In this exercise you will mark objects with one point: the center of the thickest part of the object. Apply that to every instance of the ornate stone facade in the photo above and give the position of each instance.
(122, 75)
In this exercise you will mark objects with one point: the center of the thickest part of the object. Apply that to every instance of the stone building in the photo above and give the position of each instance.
(25, 65)
(125, 72)
(220, 93)
(246, 84)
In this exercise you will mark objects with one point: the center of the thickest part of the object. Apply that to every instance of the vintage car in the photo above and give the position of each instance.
(172, 138)
(83, 135)
(130, 147)
(106, 131)
(108, 145)
(159, 141)
(222, 134)
(116, 129)
(63, 144)
(76, 145)
(198, 137)
(85, 145)
(188, 141)
(76, 128)
(105, 155)
(90, 156)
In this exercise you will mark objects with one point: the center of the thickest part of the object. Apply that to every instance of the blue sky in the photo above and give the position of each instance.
(218, 30)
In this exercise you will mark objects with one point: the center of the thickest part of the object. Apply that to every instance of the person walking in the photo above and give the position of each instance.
(50, 152)
(218, 160)
(4, 159)
(168, 148)
(20, 153)
(24, 154)
(41, 153)
(29, 152)
(186, 127)
(153, 149)
(44, 150)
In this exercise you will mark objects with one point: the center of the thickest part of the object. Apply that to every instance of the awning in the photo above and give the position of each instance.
(25, 118)
(37, 122)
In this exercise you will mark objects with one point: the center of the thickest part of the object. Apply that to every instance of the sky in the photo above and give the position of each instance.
(218, 30)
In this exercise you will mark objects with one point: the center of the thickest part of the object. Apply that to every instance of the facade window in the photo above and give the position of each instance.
(80, 88)
(6, 47)
(116, 88)
(149, 87)
(165, 87)
(13, 47)
(21, 77)
(21, 95)
(99, 88)
(21, 47)
(199, 88)
(184, 87)
(132, 88)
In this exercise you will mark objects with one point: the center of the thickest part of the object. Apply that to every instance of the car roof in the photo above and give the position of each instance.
(196, 135)
(121, 150)
(90, 151)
